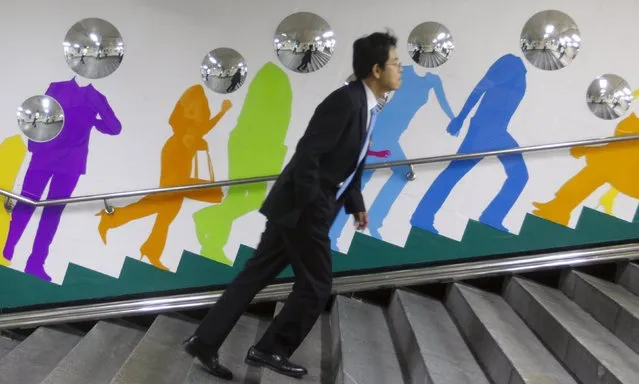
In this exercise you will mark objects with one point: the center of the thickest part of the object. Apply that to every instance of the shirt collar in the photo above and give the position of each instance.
(371, 99)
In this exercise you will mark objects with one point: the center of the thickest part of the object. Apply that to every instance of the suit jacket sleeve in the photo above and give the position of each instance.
(354, 201)
(324, 130)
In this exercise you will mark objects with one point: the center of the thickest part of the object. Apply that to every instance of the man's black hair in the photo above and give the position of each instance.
(370, 50)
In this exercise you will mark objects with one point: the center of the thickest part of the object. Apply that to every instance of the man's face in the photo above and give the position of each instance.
(391, 74)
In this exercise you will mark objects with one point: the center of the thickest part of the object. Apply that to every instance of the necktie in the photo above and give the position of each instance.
(362, 153)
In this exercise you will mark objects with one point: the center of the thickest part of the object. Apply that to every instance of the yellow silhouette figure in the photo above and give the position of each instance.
(12, 153)
(191, 121)
(614, 163)
(607, 201)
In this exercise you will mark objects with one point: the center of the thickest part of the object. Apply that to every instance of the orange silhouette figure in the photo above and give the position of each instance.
(614, 163)
(190, 121)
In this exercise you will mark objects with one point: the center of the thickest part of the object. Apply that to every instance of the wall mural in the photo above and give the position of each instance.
(190, 121)
(261, 129)
(500, 90)
(59, 163)
(392, 122)
(256, 147)
(12, 153)
(615, 164)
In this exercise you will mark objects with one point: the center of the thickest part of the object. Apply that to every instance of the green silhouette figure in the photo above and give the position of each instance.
(255, 148)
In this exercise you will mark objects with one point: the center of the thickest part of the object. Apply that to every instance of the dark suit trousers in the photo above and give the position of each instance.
(307, 248)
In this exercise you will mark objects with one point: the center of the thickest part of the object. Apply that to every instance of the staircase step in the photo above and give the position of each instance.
(629, 278)
(613, 306)
(159, 357)
(363, 349)
(232, 354)
(430, 343)
(98, 356)
(6, 345)
(591, 352)
(309, 355)
(35, 357)
(506, 348)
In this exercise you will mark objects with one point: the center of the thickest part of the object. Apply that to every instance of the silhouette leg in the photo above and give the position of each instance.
(571, 194)
(154, 245)
(62, 186)
(424, 215)
(385, 199)
(608, 200)
(213, 224)
(34, 183)
(144, 207)
(342, 218)
(516, 179)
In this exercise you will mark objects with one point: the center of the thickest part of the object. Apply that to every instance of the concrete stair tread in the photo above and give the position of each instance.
(611, 305)
(231, 354)
(525, 355)
(309, 355)
(443, 354)
(159, 357)
(620, 295)
(366, 353)
(629, 279)
(7, 345)
(35, 357)
(98, 356)
(604, 346)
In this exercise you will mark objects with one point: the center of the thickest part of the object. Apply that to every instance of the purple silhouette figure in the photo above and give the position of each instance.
(60, 161)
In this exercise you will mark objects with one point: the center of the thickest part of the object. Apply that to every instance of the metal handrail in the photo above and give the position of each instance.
(346, 284)
(252, 180)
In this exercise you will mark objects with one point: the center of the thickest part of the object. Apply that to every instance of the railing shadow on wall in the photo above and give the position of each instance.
(11, 197)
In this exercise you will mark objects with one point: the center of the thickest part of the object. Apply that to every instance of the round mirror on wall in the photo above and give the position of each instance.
(304, 42)
(223, 70)
(381, 102)
(430, 44)
(550, 40)
(93, 48)
(40, 118)
(609, 96)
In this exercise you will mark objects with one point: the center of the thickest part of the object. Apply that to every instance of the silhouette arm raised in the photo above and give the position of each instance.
(210, 124)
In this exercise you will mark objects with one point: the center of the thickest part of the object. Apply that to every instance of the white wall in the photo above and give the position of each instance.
(165, 42)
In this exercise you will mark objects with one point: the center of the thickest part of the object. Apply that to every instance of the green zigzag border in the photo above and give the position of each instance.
(366, 253)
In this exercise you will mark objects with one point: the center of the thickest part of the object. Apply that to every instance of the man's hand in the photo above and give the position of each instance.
(361, 220)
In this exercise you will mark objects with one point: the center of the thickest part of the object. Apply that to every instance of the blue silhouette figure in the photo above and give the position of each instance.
(391, 123)
(503, 87)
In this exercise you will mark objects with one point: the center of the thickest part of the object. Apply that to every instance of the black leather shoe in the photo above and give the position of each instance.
(197, 349)
(274, 362)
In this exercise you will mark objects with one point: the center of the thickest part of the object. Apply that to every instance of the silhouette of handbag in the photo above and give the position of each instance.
(210, 166)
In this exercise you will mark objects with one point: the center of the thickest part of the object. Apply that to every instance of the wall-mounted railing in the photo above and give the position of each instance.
(341, 285)
(10, 197)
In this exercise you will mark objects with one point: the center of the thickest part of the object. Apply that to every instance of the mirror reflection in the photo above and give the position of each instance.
(609, 96)
(93, 48)
(381, 102)
(550, 40)
(40, 118)
(430, 44)
(223, 70)
(304, 42)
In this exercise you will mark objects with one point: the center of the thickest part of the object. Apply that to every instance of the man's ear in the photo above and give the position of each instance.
(376, 71)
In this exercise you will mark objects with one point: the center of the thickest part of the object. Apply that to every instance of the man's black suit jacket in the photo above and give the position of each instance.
(325, 156)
